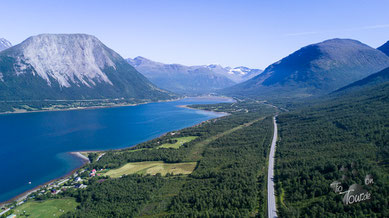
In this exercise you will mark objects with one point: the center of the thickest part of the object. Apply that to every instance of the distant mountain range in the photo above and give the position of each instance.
(314, 70)
(70, 66)
(384, 48)
(79, 66)
(236, 74)
(182, 79)
(4, 44)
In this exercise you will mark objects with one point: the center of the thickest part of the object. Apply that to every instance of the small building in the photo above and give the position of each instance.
(80, 185)
(78, 179)
(93, 173)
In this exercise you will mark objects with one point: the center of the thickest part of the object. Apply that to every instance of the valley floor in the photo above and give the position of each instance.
(201, 149)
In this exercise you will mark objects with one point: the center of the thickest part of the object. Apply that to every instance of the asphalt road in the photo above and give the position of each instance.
(271, 199)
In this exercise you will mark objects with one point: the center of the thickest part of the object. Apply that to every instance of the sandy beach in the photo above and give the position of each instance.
(78, 154)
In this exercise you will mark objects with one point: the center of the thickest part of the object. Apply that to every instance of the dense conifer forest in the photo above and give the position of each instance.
(349, 131)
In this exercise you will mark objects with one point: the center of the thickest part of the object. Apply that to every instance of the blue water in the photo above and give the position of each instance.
(34, 146)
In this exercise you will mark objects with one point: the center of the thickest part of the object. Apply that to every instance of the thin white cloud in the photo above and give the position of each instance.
(301, 33)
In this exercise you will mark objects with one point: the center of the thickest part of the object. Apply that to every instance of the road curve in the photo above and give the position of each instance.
(271, 198)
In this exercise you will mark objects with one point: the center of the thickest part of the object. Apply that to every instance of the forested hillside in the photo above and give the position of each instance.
(349, 131)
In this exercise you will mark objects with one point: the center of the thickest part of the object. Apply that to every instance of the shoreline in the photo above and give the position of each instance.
(114, 106)
(88, 108)
(24, 195)
(85, 160)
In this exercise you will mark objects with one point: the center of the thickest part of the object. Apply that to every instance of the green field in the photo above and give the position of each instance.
(198, 148)
(180, 141)
(152, 168)
(47, 208)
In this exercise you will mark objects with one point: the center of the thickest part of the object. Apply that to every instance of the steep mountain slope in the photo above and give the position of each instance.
(70, 66)
(191, 79)
(4, 44)
(384, 48)
(379, 78)
(314, 70)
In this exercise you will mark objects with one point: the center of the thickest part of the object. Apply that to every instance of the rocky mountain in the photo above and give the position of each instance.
(384, 48)
(4, 44)
(70, 66)
(190, 80)
(314, 70)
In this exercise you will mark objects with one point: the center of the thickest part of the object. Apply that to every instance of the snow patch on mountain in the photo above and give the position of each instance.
(236, 74)
(237, 71)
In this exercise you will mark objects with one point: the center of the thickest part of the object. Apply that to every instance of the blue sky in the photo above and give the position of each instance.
(233, 33)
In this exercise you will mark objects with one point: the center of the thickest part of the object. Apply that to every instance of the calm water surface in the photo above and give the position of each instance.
(34, 146)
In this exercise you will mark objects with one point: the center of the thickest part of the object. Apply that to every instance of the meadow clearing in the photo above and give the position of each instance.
(152, 168)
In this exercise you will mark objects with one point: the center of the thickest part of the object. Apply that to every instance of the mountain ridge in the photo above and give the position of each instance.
(4, 44)
(384, 48)
(315, 69)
